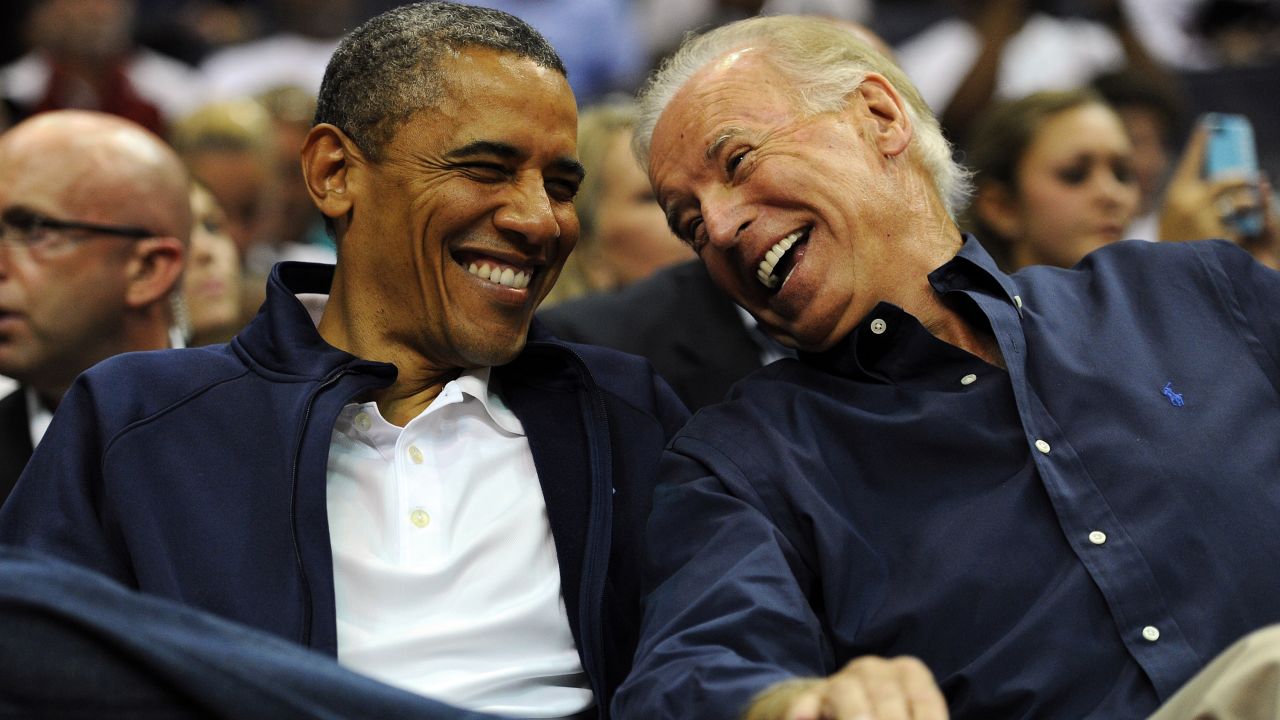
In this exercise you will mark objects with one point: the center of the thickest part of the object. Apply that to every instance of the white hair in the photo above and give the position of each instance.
(824, 63)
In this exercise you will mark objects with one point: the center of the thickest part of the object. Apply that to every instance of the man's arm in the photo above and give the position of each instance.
(729, 626)
(1255, 290)
(56, 506)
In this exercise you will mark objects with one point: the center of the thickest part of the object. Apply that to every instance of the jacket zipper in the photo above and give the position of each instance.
(305, 630)
(599, 530)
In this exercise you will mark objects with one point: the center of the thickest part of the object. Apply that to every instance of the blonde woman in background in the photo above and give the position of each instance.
(212, 284)
(624, 233)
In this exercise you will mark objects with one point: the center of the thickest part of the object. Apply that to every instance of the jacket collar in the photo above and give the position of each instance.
(282, 338)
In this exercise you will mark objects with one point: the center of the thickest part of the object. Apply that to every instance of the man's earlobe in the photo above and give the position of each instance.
(327, 159)
(155, 270)
(892, 129)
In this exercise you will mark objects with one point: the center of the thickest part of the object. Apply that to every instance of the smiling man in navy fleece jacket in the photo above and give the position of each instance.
(389, 464)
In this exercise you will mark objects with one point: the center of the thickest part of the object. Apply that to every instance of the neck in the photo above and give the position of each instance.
(350, 328)
(950, 321)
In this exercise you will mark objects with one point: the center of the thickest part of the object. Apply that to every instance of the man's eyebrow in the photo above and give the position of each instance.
(569, 166)
(724, 137)
(673, 221)
(510, 152)
(484, 147)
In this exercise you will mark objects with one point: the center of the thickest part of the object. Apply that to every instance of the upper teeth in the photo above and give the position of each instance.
(765, 271)
(500, 275)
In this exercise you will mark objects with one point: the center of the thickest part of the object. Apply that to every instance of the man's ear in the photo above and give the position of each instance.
(328, 155)
(891, 128)
(154, 270)
(995, 205)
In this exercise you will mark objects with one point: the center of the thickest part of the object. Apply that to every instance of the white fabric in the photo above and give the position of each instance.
(1163, 27)
(254, 67)
(1048, 53)
(174, 88)
(666, 21)
(38, 416)
(445, 572)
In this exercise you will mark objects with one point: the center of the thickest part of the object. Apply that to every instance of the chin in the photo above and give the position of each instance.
(492, 354)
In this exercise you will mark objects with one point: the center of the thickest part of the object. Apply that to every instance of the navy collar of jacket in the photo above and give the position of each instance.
(858, 354)
(284, 342)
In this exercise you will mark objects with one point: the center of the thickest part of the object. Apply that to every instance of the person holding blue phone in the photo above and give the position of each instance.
(1218, 191)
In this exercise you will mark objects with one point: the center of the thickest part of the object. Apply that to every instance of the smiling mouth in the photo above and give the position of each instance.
(497, 272)
(779, 261)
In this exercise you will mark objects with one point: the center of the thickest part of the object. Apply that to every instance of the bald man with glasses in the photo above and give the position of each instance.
(94, 221)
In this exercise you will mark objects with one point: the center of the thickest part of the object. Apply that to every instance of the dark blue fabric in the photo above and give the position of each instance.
(868, 501)
(74, 644)
(198, 475)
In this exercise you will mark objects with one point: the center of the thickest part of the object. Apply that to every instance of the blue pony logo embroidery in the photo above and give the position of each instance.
(1175, 399)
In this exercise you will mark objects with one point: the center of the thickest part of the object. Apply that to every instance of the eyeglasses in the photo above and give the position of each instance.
(33, 231)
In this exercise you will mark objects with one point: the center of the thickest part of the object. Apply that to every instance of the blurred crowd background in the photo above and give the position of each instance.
(231, 84)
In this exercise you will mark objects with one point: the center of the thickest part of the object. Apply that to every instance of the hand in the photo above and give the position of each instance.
(1194, 208)
(868, 688)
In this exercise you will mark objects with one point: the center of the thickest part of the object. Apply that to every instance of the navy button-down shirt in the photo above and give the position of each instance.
(1072, 537)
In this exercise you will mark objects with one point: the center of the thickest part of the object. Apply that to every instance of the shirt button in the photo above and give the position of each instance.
(1017, 301)
(878, 326)
(1042, 446)
(415, 454)
(363, 421)
(1150, 633)
(420, 518)
(1097, 537)
(968, 379)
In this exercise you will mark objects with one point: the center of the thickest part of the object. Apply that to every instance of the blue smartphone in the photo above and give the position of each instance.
(1232, 153)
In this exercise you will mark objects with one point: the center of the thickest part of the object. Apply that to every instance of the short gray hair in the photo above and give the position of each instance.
(824, 63)
(386, 70)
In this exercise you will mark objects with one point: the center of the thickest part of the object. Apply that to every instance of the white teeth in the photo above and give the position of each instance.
(518, 279)
(764, 273)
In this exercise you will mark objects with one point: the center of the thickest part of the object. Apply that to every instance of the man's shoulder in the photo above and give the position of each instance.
(151, 380)
(1143, 267)
(756, 403)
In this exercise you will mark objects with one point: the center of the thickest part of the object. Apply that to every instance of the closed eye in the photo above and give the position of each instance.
(485, 171)
(562, 190)
(693, 234)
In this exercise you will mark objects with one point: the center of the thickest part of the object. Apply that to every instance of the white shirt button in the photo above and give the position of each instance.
(1042, 446)
(1097, 537)
(878, 326)
(968, 379)
(363, 421)
(1150, 633)
(420, 518)
(1017, 301)
(415, 454)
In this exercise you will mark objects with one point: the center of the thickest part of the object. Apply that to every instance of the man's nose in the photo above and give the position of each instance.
(528, 212)
(724, 219)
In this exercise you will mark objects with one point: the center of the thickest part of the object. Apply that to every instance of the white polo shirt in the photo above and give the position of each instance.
(445, 571)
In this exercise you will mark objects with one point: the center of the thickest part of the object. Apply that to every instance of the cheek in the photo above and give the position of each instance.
(1049, 205)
